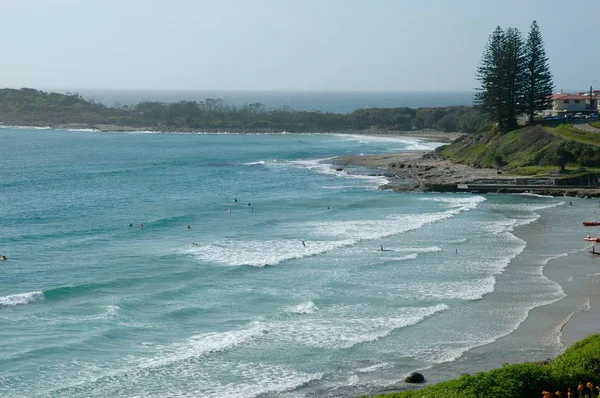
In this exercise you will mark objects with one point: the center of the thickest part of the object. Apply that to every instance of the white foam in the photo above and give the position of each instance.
(343, 329)
(307, 307)
(469, 290)
(404, 258)
(201, 345)
(260, 162)
(21, 299)
(259, 253)
(84, 130)
(372, 229)
(533, 195)
(321, 166)
(410, 143)
(372, 368)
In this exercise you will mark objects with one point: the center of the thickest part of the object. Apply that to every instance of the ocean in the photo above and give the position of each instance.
(278, 287)
(329, 101)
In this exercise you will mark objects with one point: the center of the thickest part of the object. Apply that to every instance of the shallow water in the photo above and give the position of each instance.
(237, 305)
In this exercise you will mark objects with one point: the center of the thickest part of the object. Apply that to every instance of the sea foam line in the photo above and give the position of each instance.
(22, 298)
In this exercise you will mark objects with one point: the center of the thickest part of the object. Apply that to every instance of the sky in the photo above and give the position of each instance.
(277, 45)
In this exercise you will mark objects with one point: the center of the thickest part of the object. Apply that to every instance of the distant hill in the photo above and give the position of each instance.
(37, 108)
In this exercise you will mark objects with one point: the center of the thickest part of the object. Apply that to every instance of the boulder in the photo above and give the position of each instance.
(415, 377)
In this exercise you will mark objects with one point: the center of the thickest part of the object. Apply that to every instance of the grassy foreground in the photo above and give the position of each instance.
(579, 363)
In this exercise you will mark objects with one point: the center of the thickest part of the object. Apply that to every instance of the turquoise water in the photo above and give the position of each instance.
(237, 305)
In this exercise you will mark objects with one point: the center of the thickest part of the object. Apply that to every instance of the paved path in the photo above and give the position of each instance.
(587, 127)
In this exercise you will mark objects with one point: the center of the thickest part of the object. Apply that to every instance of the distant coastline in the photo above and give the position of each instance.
(30, 107)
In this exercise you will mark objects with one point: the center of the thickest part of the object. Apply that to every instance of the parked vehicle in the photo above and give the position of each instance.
(578, 115)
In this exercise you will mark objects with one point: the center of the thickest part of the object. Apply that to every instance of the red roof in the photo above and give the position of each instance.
(569, 97)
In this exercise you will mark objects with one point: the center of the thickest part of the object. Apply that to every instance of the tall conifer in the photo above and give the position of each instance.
(538, 84)
(490, 74)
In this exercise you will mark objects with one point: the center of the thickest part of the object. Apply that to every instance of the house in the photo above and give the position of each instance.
(566, 104)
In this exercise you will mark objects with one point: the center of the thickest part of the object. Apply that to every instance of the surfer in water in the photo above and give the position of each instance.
(381, 247)
(189, 226)
(130, 225)
(235, 200)
(303, 244)
(3, 257)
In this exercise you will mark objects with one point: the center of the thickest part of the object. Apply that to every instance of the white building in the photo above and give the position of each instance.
(565, 104)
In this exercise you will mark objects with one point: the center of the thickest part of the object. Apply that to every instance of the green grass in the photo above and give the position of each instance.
(533, 150)
(570, 133)
(581, 362)
(595, 124)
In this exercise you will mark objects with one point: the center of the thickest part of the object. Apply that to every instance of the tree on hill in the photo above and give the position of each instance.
(501, 74)
(538, 79)
(514, 76)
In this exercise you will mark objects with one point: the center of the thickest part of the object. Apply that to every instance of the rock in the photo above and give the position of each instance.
(415, 378)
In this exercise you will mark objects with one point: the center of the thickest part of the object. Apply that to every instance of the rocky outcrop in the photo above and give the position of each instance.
(415, 377)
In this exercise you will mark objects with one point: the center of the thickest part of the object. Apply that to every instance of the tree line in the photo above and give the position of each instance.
(33, 107)
(515, 77)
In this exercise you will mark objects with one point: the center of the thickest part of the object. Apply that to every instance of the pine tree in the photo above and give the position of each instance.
(490, 74)
(538, 80)
(502, 74)
(514, 75)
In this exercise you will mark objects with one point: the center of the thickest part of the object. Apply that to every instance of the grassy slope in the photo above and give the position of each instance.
(529, 150)
(581, 362)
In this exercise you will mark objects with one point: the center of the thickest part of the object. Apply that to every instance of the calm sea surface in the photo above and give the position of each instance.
(237, 305)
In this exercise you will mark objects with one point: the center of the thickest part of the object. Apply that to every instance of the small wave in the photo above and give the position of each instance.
(307, 307)
(533, 195)
(343, 331)
(372, 229)
(203, 344)
(112, 310)
(404, 258)
(372, 368)
(255, 163)
(261, 253)
(322, 166)
(83, 130)
(21, 299)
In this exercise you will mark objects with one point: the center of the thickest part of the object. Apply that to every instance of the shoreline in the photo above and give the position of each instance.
(427, 171)
(424, 134)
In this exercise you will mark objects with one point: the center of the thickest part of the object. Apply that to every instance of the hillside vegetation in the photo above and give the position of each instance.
(581, 362)
(37, 108)
(530, 150)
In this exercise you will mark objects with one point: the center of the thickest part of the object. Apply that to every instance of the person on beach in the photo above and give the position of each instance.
(303, 244)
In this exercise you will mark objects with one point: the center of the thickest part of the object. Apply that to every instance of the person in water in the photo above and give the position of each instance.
(189, 226)
(303, 244)
(3, 257)
(141, 225)
(381, 247)
(130, 224)
(235, 200)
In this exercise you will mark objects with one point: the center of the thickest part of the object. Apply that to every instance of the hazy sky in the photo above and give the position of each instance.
(281, 44)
